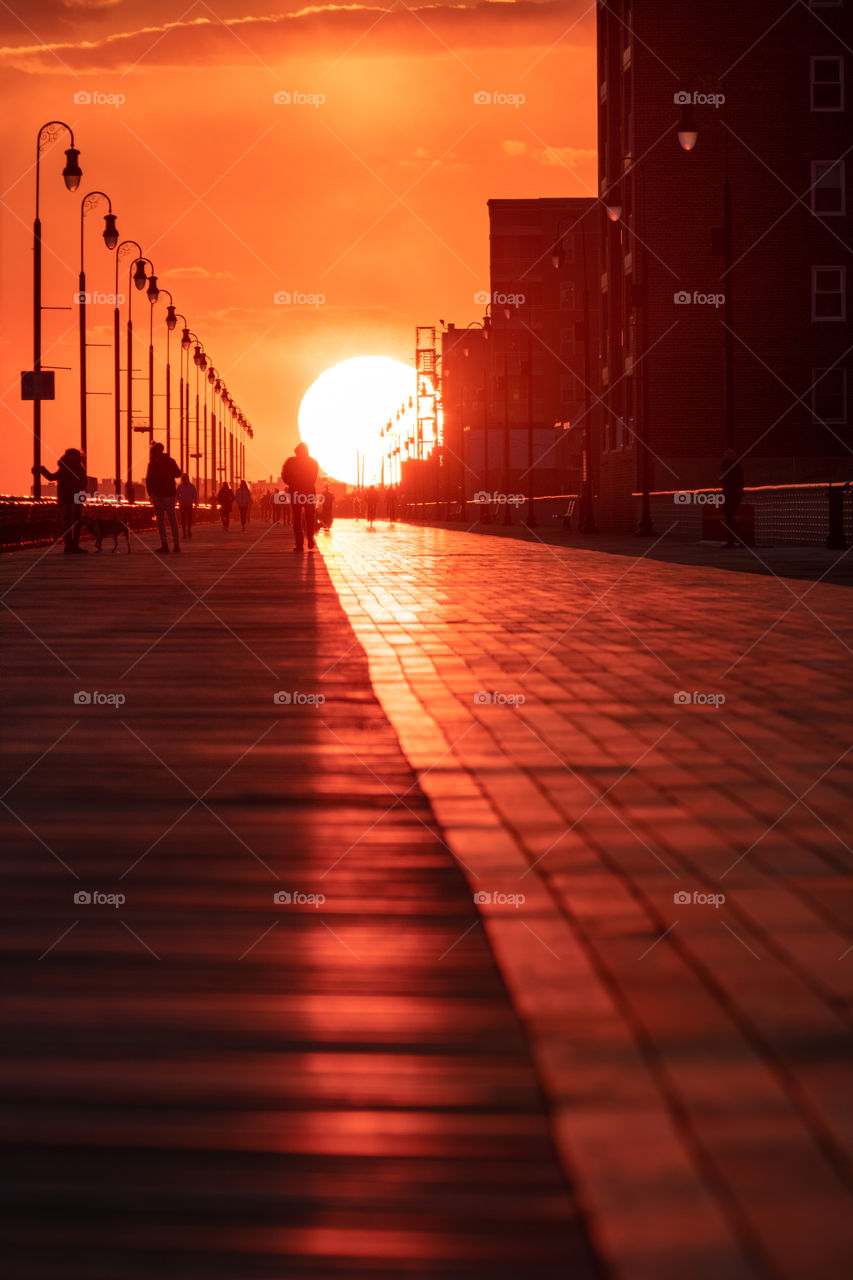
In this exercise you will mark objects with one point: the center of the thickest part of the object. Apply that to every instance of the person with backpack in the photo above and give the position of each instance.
(243, 498)
(299, 473)
(225, 501)
(187, 499)
(160, 479)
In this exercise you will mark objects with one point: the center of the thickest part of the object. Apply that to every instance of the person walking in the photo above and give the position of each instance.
(160, 479)
(243, 498)
(299, 473)
(327, 511)
(225, 501)
(187, 495)
(731, 483)
(371, 502)
(71, 479)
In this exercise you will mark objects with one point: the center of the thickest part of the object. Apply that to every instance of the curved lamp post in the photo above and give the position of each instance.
(110, 235)
(117, 364)
(71, 174)
(171, 322)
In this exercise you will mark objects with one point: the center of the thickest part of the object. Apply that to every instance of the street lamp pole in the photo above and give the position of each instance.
(139, 279)
(72, 175)
(110, 240)
(117, 365)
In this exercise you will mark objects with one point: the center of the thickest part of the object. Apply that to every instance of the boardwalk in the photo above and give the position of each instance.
(640, 1035)
(201, 1082)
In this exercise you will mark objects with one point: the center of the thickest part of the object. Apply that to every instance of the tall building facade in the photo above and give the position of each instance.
(543, 310)
(725, 246)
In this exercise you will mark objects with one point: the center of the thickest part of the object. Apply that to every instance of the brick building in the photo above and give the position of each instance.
(767, 102)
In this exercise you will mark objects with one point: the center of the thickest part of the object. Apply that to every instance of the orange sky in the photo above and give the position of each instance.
(374, 199)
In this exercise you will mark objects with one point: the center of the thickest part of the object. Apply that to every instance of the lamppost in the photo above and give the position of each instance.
(215, 383)
(72, 174)
(485, 326)
(125, 244)
(110, 235)
(171, 322)
(139, 279)
(152, 293)
(184, 414)
(721, 237)
(200, 362)
(587, 522)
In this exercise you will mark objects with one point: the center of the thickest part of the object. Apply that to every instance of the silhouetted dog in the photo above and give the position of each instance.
(101, 527)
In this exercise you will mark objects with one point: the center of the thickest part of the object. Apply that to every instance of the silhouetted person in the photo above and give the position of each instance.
(327, 511)
(70, 477)
(130, 491)
(731, 483)
(356, 506)
(243, 498)
(299, 473)
(187, 498)
(225, 501)
(160, 479)
(391, 505)
(371, 500)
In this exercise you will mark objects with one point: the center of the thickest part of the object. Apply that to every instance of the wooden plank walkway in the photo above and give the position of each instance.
(200, 1081)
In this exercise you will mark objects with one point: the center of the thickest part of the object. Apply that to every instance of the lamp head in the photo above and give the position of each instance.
(688, 133)
(139, 277)
(171, 318)
(186, 340)
(110, 231)
(152, 292)
(211, 376)
(72, 173)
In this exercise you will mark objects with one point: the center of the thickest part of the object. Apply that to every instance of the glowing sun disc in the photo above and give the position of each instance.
(343, 412)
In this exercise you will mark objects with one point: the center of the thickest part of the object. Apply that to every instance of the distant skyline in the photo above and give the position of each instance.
(365, 192)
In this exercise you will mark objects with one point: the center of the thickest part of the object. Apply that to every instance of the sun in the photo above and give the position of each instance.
(343, 412)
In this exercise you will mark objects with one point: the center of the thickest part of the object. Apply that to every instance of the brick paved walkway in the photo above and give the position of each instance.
(696, 1052)
(199, 1082)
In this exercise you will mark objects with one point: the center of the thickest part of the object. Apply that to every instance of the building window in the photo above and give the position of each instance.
(829, 395)
(827, 84)
(828, 181)
(829, 293)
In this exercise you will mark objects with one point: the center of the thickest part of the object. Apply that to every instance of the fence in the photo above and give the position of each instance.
(27, 522)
